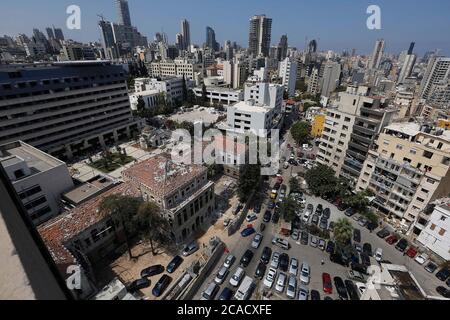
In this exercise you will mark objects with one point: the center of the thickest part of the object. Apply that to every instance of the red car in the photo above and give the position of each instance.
(412, 252)
(327, 286)
(391, 239)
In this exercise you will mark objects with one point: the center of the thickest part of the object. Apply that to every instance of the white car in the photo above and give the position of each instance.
(314, 242)
(303, 293)
(292, 287)
(257, 241)
(221, 275)
(421, 259)
(305, 273)
(275, 260)
(237, 277)
(293, 267)
(281, 282)
(361, 288)
(270, 278)
(229, 261)
(378, 254)
(190, 249)
(251, 217)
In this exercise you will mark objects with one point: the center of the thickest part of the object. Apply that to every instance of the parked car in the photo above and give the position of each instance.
(411, 252)
(391, 239)
(281, 282)
(352, 290)
(229, 261)
(262, 227)
(383, 233)
(327, 286)
(314, 242)
(161, 285)
(267, 216)
(282, 243)
(139, 284)
(303, 293)
(323, 223)
(371, 226)
(270, 278)
(257, 208)
(291, 287)
(357, 247)
(248, 232)
(315, 219)
(355, 275)
(257, 239)
(339, 259)
(431, 267)
(331, 226)
(221, 275)
(210, 291)
(237, 277)
(319, 209)
(357, 235)
(422, 258)
(322, 244)
(326, 214)
(363, 222)
(443, 292)
(251, 217)
(304, 239)
(367, 249)
(284, 262)
(340, 287)
(293, 267)
(315, 295)
(330, 247)
(174, 264)
(401, 245)
(266, 254)
(190, 249)
(260, 270)
(305, 273)
(295, 235)
(365, 259)
(152, 271)
(443, 274)
(226, 294)
(378, 254)
(246, 258)
(358, 267)
(275, 260)
(275, 217)
(238, 208)
(349, 212)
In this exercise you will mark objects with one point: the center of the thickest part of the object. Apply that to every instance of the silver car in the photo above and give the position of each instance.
(229, 261)
(221, 275)
(293, 267)
(303, 293)
(275, 260)
(322, 244)
(292, 287)
(281, 282)
(305, 273)
(314, 242)
(257, 241)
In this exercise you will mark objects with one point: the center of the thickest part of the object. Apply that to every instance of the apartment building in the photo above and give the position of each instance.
(264, 93)
(220, 95)
(178, 68)
(287, 71)
(407, 168)
(436, 234)
(183, 192)
(38, 178)
(438, 70)
(65, 109)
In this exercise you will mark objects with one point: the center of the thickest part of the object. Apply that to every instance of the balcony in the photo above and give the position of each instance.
(358, 146)
(362, 138)
(375, 112)
(356, 155)
(365, 130)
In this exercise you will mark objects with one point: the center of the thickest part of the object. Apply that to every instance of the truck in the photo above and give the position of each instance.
(245, 289)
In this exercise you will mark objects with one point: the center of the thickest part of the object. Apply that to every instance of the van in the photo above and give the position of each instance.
(245, 289)
(210, 292)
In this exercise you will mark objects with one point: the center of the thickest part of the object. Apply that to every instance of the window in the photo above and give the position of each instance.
(439, 146)
(432, 227)
(424, 190)
(446, 161)
(428, 154)
(19, 174)
(443, 218)
(442, 232)
(399, 147)
(413, 151)
(347, 119)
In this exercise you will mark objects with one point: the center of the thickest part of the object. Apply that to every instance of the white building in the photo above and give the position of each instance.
(264, 93)
(288, 73)
(221, 95)
(38, 178)
(171, 87)
(179, 68)
(436, 235)
(438, 70)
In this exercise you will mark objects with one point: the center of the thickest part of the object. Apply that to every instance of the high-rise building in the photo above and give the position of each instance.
(312, 46)
(288, 73)
(123, 12)
(377, 54)
(186, 32)
(179, 41)
(50, 33)
(211, 39)
(438, 71)
(58, 34)
(408, 64)
(330, 79)
(282, 48)
(66, 109)
(259, 35)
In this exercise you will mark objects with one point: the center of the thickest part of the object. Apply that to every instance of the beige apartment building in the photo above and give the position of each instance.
(407, 168)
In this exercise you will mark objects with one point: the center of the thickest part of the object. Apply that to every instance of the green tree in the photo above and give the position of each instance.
(288, 208)
(152, 226)
(123, 209)
(249, 181)
(358, 201)
(343, 232)
(321, 180)
(294, 186)
(301, 132)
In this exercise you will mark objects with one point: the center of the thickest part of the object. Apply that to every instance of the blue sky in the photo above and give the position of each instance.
(339, 24)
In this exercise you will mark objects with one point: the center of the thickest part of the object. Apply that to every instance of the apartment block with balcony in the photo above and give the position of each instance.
(183, 192)
(407, 168)
(65, 109)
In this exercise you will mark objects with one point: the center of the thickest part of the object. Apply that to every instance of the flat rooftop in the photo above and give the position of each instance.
(205, 116)
(88, 190)
(161, 175)
(16, 152)
(255, 108)
(408, 128)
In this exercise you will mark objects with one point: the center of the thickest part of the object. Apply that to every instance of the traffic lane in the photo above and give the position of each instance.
(428, 281)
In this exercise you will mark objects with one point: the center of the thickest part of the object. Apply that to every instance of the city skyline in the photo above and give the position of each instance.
(299, 20)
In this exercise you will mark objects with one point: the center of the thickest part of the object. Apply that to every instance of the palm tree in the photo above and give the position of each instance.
(123, 209)
(151, 225)
(343, 231)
